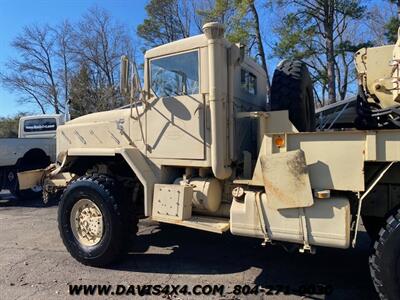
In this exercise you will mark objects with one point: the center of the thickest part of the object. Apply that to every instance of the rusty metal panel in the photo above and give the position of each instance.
(286, 180)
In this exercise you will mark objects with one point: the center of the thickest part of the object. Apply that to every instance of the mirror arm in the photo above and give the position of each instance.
(124, 73)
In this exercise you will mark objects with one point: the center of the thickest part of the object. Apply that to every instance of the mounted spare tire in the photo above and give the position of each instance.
(292, 90)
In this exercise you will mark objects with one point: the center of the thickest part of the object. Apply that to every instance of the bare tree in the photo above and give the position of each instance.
(49, 60)
(33, 73)
(314, 31)
(379, 16)
(166, 21)
(64, 38)
(242, 24)
(260, 46)
(98, 43)
(397, 3)
(197, 7)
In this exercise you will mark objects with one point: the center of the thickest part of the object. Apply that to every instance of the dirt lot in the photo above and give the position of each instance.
(35, 265)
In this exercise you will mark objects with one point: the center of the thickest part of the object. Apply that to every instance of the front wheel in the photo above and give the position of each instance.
(91, 220)
(385, 260)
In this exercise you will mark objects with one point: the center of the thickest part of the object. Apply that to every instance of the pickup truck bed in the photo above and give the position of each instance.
(12, 149)
(22, 154)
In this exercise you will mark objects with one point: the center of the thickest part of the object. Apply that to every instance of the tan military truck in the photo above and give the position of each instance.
(34, 149)
(198, 149)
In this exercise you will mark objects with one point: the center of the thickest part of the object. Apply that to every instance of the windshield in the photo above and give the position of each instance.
(175, 75)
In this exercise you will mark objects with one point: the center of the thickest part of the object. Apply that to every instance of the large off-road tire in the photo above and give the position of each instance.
(292, 90)
(94, 220)
(373, 225)
(385, 260)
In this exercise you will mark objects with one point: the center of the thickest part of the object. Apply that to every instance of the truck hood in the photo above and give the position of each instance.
(97, 130)
(100, 117)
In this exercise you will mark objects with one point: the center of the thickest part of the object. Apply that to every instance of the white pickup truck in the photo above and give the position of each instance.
(34, 148)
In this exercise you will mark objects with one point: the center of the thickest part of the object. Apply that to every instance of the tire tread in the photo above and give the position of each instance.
(109, 186)
(376, 258)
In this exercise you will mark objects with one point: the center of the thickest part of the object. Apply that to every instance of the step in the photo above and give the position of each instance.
(211, 224)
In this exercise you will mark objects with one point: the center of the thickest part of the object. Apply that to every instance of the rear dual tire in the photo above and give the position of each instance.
(385, 260)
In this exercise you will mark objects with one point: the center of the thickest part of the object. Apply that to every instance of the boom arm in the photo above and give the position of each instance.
(378, 73)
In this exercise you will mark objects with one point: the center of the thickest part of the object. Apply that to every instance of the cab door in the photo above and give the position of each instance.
(175, 118)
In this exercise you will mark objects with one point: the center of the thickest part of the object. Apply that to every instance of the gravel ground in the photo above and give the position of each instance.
(35, 265)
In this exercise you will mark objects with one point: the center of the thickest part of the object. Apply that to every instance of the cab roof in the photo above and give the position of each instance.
(186, 44)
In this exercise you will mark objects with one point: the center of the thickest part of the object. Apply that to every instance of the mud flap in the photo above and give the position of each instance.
(30, 179)
(286, 180)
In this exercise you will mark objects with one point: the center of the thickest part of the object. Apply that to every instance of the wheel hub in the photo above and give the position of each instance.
(87, 222)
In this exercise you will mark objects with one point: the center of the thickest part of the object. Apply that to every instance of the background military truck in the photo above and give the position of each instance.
(34, 148)
(198, 149)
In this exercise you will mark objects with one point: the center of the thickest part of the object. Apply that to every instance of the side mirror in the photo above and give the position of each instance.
(124, 76)
(135, 80)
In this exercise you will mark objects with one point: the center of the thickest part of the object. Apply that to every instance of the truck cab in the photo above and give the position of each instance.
(183, 80)
(39, 126)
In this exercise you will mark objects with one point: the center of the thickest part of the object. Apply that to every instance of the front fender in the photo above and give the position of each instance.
(133, 157)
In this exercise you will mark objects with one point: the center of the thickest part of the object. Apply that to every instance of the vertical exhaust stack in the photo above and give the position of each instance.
(218, 101)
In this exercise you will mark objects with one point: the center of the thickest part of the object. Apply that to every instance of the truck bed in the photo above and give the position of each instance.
(335, 159)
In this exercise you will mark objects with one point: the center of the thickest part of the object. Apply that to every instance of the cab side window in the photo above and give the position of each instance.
(248, 82)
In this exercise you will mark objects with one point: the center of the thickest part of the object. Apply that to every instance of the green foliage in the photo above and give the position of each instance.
(82, 95)
(351, 8)
(218, 13)
(305, 34)
(349, 46)
(295, 38)
(9, 126)
(165, 22)
(391, 29)
(87, 98)
(299, 30)
(239, 26)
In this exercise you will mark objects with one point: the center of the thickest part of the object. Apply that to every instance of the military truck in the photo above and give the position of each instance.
(198, 149)
(35, 148)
